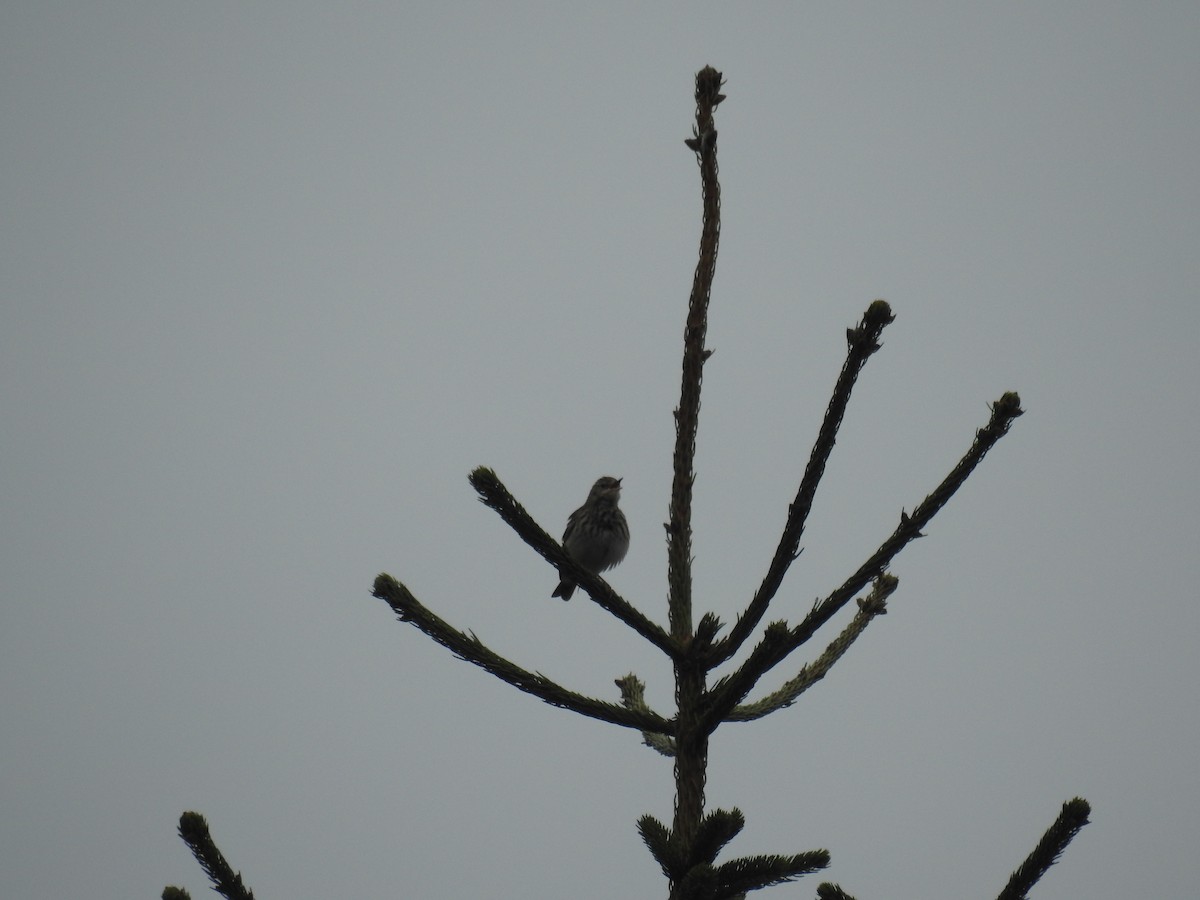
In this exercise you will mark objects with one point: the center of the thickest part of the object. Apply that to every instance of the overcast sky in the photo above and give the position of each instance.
(276, 276)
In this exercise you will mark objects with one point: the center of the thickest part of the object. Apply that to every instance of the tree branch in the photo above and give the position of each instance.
(226, 882)
(470, 648)
(1004, 411)
(679, 528)
(750, 873)
(863, 341)
(1073, 817)
(494, 495)
(778, 641)
(874, 604)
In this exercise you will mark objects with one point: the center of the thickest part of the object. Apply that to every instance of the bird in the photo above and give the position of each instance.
(597, 535)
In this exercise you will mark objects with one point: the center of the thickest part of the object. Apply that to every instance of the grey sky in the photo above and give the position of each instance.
(276, 276)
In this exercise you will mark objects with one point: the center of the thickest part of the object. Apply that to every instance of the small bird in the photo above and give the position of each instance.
(597, 534)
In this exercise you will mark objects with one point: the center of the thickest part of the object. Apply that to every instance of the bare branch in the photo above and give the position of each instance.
(473, 650)
(1073, 817)
(1004, 411)
(494, 495)
(863, 341)
(779, 641)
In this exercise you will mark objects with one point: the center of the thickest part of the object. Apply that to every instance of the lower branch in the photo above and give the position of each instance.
(754, 872)
(473, 650)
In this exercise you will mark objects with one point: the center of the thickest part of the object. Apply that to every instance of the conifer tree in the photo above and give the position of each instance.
(688, 848)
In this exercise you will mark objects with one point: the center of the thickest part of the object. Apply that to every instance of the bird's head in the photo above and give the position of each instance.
(606, 487)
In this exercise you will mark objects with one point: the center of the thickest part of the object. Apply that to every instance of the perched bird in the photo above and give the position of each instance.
(597, 534)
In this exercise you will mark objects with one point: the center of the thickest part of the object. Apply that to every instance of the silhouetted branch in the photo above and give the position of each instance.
(691, 743)
(679, 528)
(863, 341)
(874, 604)
(473, 650)
(1073, 817)
(495, 496)
(1004, 411)
(753, 872)
(778, 641)
(194, 831)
